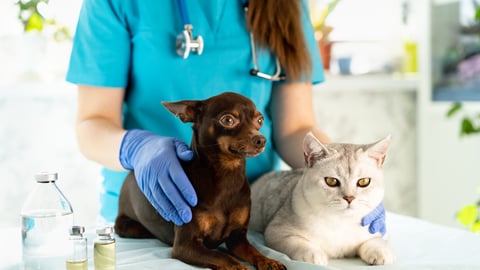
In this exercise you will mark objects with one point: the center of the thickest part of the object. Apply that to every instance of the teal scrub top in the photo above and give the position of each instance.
(131, 44)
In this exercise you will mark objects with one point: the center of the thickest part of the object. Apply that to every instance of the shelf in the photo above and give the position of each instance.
(370, 82)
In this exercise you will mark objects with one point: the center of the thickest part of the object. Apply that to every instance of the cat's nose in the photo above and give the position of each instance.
(349, 199)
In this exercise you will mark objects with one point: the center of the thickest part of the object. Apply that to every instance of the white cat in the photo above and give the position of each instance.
(313, 214)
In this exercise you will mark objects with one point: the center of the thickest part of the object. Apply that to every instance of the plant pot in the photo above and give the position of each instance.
(325, 52)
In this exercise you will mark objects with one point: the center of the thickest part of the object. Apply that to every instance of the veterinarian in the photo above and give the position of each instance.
(128, 56)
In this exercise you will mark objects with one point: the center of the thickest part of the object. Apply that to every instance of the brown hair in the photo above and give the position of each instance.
(277, 24)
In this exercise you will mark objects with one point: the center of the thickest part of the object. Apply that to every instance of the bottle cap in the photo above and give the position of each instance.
(45, 177)
(76, 230)
(105, 231)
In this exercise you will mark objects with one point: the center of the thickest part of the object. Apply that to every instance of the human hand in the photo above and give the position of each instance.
(155, 163)
(376, 220)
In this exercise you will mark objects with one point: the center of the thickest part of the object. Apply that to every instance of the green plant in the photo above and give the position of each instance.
(469, 215)
(319, 12)
(470, 124)
(30, 16)
(33, 20)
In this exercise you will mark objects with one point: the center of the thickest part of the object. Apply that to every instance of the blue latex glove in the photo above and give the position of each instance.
(155, 162)
(376, 220)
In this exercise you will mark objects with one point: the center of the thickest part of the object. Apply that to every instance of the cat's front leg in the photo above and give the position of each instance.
(296, 246)
(310, 254)
(376, 251)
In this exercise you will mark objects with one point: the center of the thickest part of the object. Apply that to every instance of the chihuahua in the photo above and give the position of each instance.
(225, 132)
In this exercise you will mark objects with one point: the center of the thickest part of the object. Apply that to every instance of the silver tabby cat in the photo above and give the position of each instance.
(313, 214)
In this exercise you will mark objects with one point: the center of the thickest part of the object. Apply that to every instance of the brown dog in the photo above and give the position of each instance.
(225, 132)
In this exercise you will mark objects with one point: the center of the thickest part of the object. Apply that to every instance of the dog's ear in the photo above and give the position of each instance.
(185, 110)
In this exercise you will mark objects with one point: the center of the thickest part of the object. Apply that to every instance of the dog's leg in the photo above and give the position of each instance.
(189, 247)
(239, 245)
(196, 253)
(137, 218)
(127, 227)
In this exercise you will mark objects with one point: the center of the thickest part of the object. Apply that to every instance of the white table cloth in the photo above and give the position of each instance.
(418, 245)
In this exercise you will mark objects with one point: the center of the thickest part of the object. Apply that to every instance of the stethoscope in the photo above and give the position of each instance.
(186, 44)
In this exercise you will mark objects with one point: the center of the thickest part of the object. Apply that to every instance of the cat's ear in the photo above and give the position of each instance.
(378, 150)
(313, 149)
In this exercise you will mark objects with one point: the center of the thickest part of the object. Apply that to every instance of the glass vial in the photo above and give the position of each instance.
(104, 253)
(77, 259)
(46, 217)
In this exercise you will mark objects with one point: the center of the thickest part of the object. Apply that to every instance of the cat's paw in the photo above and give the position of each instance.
(377, 252)
(315, 256)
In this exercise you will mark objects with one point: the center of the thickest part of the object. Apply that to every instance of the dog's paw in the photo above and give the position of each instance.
(315, 256)
(269, 264)
(377, 252)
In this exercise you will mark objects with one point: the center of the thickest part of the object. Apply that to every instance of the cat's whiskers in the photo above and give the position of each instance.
(367, 206)
(337, 204)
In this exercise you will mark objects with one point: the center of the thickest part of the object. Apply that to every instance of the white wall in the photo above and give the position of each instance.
(37, 134)
(448, 172)
(365, 109)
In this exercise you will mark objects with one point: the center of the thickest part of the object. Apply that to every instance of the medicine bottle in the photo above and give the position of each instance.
(46, 217)
(77, 259)
(104, 252)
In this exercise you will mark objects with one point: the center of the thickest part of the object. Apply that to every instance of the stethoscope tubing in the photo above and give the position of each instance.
(186, 43)
(182, 7)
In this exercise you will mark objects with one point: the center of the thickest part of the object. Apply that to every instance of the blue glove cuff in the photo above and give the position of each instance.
(131, 141)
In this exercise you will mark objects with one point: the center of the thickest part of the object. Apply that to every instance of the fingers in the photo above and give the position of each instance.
(366, 220)
(375, 220)
(374, 215)
(174, 195)
(183, 152)
(165, 208)
(182, 183)
(377, 226)
(170, 190)
(159, 202)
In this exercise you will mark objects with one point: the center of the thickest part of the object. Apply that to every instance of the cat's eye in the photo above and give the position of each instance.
(363, 182)
(332, 182)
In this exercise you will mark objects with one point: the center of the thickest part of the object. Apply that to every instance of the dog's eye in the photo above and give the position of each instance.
(260, 121)
(229, 121)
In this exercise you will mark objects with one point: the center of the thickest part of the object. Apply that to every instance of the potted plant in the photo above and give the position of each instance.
(319, 12)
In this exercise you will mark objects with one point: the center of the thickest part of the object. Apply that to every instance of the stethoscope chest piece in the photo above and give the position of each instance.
(185, 42)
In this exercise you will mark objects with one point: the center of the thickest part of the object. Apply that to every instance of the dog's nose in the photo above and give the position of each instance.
(259, 141)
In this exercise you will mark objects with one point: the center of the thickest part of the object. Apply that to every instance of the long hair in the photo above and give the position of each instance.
(277, 24)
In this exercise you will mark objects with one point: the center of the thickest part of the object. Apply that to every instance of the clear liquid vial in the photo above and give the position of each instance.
(104, 251)
(46, 217)
(77, 258)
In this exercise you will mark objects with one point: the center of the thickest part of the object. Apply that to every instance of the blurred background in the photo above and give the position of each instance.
(401, 67)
